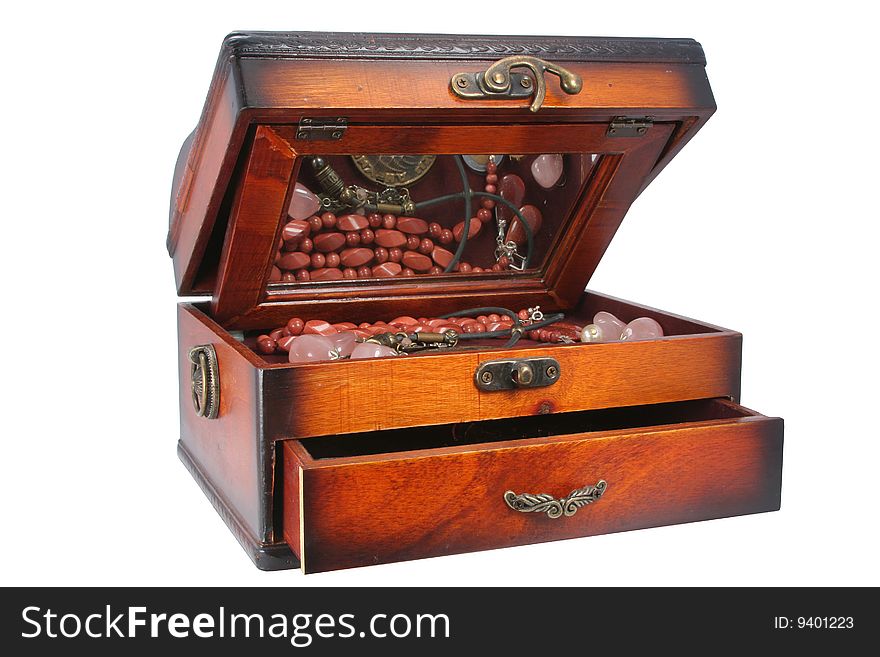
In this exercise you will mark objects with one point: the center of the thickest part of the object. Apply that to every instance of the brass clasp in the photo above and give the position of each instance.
(500, 82)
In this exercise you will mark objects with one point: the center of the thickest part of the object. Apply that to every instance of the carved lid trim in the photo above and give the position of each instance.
(361, 45)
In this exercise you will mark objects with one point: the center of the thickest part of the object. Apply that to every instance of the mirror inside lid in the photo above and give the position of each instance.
(368, 216)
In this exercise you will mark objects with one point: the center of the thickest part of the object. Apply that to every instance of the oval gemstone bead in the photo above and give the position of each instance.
(533, 218)
(371, 350)
(304, 203)
(326, 242)
(417, 262)
(457, 231)
(610, 327)
(293, 260)
(547, 169)
(441, 256)
(356, 257)
(412, 225)
(309, 348)
(390, 238)
(512, 188)
(318, 327)
(406, 320)
(349, 222)
(387, 269)
(326, 274)
(295, 230)
(643, 328)
(344, 326)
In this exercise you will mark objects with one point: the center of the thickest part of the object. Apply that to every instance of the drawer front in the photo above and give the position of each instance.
(362, 510)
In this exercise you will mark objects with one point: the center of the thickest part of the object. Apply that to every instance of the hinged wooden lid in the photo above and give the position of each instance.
(614, 110)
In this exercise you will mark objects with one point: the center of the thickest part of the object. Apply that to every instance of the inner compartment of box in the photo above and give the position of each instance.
(590, 304)
(538, 426)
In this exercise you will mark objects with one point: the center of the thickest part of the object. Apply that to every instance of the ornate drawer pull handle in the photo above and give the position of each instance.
(544, 503)
(205, 375)
(499, 82)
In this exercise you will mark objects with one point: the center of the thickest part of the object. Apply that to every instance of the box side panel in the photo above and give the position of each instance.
(226, 449)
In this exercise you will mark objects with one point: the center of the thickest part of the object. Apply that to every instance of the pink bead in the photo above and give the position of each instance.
(309, 348)
(371, 350)
(303, 204)
(547, 169)
(643, 328)
(345, 343)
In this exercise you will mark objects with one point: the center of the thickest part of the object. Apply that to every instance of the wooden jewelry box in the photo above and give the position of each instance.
(332, 179)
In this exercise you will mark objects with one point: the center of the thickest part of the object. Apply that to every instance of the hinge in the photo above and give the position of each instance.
(622, 126)
(321, 129)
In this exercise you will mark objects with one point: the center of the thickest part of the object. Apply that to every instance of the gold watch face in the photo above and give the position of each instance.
(394, 170)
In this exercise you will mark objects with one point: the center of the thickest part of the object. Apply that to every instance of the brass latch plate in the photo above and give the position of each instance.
(310, 129)
(516, 373)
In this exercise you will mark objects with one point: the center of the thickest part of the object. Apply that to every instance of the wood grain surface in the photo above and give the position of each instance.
(363, 510)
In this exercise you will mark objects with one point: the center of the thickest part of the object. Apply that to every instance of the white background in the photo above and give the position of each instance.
(765, 223)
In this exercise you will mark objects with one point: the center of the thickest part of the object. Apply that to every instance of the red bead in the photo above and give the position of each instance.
(364, 272)
(412, 242)
(389, 221)
(319, 327)
(493, 317)
(446, 236)
(265, 344)
(277, 334)
(381, 254)
(327, 242)
(482, 319)
(315, 223)
(364, 325)
(464, 267)
(497, 267)
(477, 270)
(483, 214)
(349, 272)
(390, 238)
(326, 274)
(375, 220)
(367, 236)
(523, 314)
(435, 270)
(504, 261)
(491, 189)
(406, 271)
(288, 277)
(426, 246)
(306, 245)
(295, 326)
(395, 254)
(332, 260)
(350, 222)
(303, 275)
(472, 327)
(284, 343)
(491, 167)
(412, 225)
(434, 230)
(487, 203)
(328, 219)
(318, 260)
(275, 276)
(475, 227)
(492, 179)
(352, 239)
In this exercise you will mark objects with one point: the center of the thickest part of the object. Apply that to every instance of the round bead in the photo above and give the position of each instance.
(426, 246)
(367, 236)
(349, 272)
(306, 245)
(265, 344)
(412, 242)
(497, 267)
(406, 271)
(434, 229)
(295, 325)
(318, 260)
(523, 314)
(288, 277)
(328, 219)
(482, 319)
(504, 261)
(483, 214)
(446, 236)
(332, 260)
(315, 223)
(464, 267)
(487, 203)
(375, 220)
(277, 334)
(352, 239)
(492, 179)
(491, 167)
(381, 254)
(389, 221)
(435, 270)
(303, 275)
(477, 270)
(491, 189)
(364, 272)
(395, 254)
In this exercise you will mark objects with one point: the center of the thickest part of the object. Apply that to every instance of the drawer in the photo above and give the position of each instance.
(387, 496)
